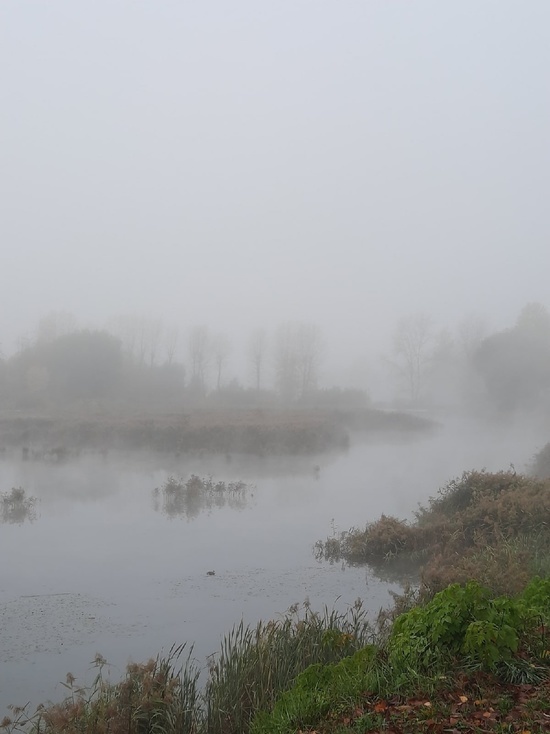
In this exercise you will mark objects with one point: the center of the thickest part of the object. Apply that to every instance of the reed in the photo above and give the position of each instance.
(256, 664)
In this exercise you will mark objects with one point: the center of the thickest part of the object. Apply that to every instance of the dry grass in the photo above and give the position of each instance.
(489, 526)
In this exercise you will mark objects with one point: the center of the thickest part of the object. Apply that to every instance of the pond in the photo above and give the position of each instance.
(103, 564)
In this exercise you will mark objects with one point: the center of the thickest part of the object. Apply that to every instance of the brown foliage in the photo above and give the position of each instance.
(487, 526)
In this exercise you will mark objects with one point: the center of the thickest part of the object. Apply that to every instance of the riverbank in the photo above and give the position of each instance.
(55, 436)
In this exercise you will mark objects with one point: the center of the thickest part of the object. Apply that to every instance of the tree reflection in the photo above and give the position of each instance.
(179, 497)
(16, 507)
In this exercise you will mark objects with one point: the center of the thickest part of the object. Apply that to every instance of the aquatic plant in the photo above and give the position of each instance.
(189, 497)
(16, 506)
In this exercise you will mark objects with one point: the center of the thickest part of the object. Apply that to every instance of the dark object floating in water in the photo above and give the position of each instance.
(210, 573)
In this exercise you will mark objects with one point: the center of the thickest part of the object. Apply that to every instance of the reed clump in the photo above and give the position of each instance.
(256, 664)
(157, 696)
(189, 497)
(16, 506)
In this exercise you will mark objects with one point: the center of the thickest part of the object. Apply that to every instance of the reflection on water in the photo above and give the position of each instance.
(16, 507)
(179, 498)
(103, 572)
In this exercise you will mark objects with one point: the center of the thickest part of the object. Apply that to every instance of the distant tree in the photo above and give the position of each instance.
(171, 338)
(221, 348)
(257, 349)
(534, 321)
(200, 356)
(154, 330)
(54, 325)
(80, 365)
(515, 363)
(309, 350)
(412, 347)
(140, 337)
(471, 331)
(297, 357)
(286, 362)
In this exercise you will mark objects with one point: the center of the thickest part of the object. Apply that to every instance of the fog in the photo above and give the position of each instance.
(300, 250)
(242, 165)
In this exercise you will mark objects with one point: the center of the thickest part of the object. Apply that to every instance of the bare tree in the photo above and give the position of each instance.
(286, 361)
(257, 347)
(221, 348)
(309, 348)
(412, 344)
(297, 357)
(153, 336)
(171, 337)
(199, 352)
(130, 329)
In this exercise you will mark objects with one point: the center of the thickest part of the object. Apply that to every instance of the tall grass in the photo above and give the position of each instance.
(252, 668)
(256, 665)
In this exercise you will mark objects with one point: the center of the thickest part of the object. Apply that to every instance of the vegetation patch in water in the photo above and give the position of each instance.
(188, 498)
(16, 506)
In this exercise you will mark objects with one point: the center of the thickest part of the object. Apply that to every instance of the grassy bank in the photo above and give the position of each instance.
(492, 527)
(259, 432)
(466, 661)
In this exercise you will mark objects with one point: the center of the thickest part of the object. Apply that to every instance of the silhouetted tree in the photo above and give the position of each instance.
(412, 347)
(221, 348)
(515, 363)
(200, 355)
(257, 349)
(297, 357)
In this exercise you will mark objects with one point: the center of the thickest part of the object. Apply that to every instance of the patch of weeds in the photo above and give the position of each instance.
(197, 494)
(16, 506)
(489, 526)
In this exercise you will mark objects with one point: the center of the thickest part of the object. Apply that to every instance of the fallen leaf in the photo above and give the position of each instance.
(463, 699)
(381, 706)
(427, 704)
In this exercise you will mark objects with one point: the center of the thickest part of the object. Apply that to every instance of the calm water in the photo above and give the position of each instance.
(102, 568)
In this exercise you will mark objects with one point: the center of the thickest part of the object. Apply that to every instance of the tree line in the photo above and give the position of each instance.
(140, 362)
(137, 360)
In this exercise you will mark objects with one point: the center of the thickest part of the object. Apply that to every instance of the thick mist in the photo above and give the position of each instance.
(269, 272)
(243, 167)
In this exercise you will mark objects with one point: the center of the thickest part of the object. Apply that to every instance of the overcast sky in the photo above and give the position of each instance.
(248, 162)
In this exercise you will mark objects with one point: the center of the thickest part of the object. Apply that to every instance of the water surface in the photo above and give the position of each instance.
(102, 568)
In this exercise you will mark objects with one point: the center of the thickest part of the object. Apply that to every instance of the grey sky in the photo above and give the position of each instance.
(241, 163)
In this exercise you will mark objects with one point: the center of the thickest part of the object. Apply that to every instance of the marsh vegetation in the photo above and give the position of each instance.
(492, 527)
(17, 507)
(187, 498)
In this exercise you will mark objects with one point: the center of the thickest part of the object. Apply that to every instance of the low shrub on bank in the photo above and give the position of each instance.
(489, 526)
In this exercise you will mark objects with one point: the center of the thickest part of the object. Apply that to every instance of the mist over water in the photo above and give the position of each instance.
(229, 232)
(101, 568)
